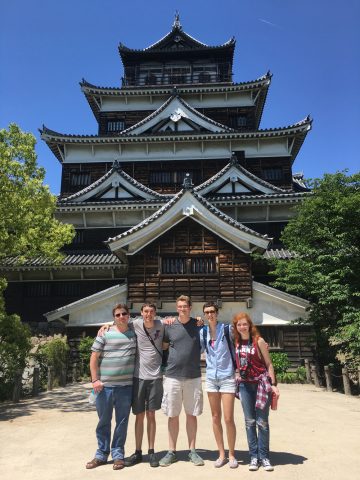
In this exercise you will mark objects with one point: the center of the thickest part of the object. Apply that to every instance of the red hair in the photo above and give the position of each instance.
(254, 332)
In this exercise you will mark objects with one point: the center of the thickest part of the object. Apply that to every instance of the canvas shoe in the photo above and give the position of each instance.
(169, 458)
(133, 459)
(195, 458)
(265, 462)
(253, 465)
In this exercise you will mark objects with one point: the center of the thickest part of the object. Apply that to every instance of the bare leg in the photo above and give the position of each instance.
(173, 429)
(139, 429)
(215, 406)
(191, 429)
(151, 427)
(228, 409)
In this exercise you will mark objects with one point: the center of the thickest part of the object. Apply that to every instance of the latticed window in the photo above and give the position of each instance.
(195, 265)
(115, 126)
(37, 289)
(162, 177)
(80, 179)
(241, 121)
(273, 173)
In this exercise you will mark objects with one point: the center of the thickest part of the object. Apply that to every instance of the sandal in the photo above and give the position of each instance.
(95, 462)
(118, 464)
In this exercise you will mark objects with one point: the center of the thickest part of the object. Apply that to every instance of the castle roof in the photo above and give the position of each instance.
(188, 204)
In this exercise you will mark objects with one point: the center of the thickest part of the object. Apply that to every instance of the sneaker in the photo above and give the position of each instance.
(154, 462)
(220, 462)
(195, 458)
(169, 458)
(265, 462)
(233, 463)
(133, 459)
(253, 465)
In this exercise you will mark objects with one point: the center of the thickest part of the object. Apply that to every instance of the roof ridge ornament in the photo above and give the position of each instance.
(187, 184)
(233, 159)
(177, 24)
(116, 165)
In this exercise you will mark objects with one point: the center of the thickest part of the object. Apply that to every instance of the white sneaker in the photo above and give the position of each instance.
(253, 465)
(265, 462)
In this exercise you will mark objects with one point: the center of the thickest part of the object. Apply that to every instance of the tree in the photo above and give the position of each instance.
(325, 236)
(27, 224)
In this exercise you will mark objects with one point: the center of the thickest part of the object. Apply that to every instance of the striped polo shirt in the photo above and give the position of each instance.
(117, 356)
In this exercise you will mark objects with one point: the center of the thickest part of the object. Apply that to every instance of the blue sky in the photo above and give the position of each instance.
(312, 48)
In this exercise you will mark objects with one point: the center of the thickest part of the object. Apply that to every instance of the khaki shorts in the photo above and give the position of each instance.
(178, 392)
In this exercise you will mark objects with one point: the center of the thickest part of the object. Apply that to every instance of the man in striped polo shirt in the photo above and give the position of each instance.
(112, 365)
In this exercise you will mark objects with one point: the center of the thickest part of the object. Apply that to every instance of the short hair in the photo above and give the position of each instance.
(184, 298)
(211, 304)
(148, 304)
(120, 305)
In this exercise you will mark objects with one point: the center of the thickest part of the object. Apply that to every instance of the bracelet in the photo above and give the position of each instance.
(94, 381)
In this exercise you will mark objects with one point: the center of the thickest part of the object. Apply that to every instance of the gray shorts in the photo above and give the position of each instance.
(147, 395)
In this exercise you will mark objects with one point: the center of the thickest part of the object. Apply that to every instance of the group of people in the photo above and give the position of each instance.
(126, 372)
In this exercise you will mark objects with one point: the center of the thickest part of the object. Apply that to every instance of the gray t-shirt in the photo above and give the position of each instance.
(148, 360)
(184, 349)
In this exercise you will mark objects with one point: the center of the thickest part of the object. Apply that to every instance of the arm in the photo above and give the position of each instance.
(102, 330)
(94, 370)
(264, 350)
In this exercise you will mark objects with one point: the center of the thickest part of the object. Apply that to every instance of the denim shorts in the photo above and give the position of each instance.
(226, 385)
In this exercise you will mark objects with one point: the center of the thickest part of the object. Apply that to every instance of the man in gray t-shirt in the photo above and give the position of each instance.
(148, 383)
(182, 384)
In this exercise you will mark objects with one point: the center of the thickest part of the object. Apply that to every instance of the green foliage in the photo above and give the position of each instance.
(325, 235)
(299, 376)
(280, 363)
(27, 223)
(53, 353)
(85, 352)
(15, 345)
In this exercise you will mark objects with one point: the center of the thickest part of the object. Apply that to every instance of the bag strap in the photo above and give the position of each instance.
(227, 336)
(204, 338)
(152, 341)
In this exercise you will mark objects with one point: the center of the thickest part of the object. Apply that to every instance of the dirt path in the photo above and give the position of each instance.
(314, 435)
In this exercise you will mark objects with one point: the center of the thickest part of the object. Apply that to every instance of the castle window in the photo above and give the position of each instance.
(79, 179)
(273, 173)
(241, 121)
(79, 237)
(163, 177)
(197, 265)
(37, 289)
(115, 126)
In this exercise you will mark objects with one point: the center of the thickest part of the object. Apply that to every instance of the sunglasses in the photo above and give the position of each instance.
(122, 314)
(209, 312)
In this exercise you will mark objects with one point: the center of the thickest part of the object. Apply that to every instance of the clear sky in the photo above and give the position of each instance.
(312, 47)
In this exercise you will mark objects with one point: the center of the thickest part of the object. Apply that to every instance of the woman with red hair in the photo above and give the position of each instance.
(257, 384)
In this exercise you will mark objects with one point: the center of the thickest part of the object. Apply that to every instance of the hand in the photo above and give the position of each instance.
(98, 386)
(199, 322)
(275, 390)
(101, 332)
(168, 320)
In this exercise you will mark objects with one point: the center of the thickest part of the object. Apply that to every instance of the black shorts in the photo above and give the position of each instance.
(147, 395)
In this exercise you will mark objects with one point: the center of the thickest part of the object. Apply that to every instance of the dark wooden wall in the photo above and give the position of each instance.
(231, 282)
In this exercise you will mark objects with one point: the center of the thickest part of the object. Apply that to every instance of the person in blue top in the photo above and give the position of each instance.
(220, 381)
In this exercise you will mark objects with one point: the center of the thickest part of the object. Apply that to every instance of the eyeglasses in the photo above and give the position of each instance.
(122, 314)
(209, 312)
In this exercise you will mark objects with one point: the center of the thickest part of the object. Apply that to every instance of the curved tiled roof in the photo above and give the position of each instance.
(203, 201)
(128, 178)
(186, 105)
(279, 254)
(287, 197)
(262, 81)
(97, 259)
(301, 126)
(244, 171)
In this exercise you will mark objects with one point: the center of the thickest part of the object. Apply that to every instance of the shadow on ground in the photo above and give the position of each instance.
(74, 399)
(277, 458)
